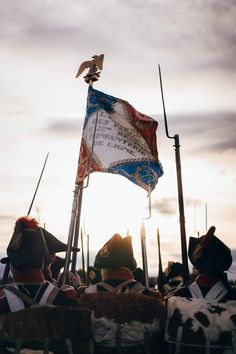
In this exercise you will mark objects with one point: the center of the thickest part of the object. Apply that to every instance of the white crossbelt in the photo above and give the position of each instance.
(217, 292)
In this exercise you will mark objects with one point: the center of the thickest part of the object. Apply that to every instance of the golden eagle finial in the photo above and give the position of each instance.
(94, 65)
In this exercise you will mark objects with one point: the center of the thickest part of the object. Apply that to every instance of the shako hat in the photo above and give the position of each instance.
(116, 253)
(208, 254)
(27, 249)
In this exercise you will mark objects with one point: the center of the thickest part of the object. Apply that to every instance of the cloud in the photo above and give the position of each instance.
(7, 218)
(166, 206)
(66, 127)
(205, 132)
(200, 34)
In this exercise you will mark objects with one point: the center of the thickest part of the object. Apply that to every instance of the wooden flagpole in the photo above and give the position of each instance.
(74, 214)
(92, 75)
(180, 190)
(82, 250)
(76, 228)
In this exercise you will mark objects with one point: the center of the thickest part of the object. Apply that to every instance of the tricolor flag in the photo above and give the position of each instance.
(118, 139)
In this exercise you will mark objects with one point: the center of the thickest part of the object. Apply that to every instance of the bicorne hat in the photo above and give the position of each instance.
(54, 245)
(27, 249)
(116, 253)
(208, 254)
(174, 269)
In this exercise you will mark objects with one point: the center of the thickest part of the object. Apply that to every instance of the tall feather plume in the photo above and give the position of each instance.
(204, 242)
(26, 222)
(208, 237)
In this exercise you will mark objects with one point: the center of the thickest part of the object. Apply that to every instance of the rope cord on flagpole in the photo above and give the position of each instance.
(180, 189)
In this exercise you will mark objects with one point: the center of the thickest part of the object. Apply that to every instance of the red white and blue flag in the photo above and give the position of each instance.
(118, 139)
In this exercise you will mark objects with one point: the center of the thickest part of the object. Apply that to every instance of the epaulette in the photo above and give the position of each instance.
(155, 294)
(69, 292)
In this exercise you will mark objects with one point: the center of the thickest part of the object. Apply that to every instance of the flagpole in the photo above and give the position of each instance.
(180, 190)
(74, 211)
(92, 75)
(76, 229)
(82, 250)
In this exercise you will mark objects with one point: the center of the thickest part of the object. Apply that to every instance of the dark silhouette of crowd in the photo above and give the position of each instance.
(114, 312)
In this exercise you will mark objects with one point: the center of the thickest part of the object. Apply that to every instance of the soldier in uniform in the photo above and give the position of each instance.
(201, 316)
(211, 258)
(27, 252)
(128, 317)
(173, 277)
(117, 262)
(52, 263)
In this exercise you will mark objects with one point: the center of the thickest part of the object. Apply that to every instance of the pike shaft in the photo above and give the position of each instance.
(180, 190)
(40, 177)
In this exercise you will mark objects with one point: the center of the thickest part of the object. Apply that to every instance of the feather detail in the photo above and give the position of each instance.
(204, 243)
(208, 237)
(197, 252)
(26, 222)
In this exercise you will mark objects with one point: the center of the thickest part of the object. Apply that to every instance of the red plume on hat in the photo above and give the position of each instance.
(27, 249)
(26, 222)
(54, 245)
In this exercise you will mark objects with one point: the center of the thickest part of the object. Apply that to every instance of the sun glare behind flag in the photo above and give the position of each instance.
(118, 139)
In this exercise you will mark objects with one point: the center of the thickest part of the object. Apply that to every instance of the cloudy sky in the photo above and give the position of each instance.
(42, 108)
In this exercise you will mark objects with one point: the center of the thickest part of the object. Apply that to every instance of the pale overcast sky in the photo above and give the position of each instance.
(42, 108)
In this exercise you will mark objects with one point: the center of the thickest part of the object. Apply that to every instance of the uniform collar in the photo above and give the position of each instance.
(34, 275)
(121, 274)
(207, 280)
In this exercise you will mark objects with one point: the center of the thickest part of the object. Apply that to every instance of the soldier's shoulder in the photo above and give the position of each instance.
(69, 292)
(181, 292)
(155, 294)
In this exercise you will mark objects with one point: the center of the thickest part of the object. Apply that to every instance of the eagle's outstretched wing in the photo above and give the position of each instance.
(97, 61)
